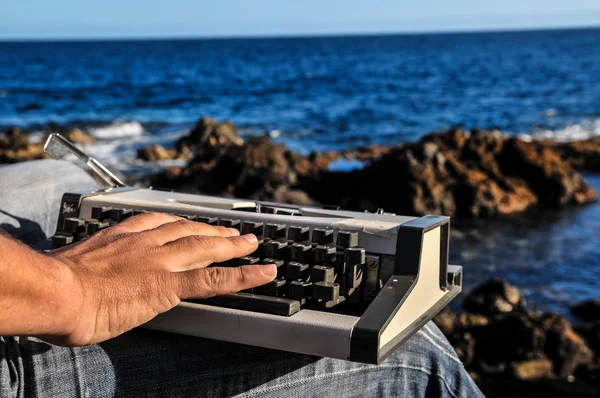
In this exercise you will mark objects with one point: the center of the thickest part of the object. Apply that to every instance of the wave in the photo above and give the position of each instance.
(578, 131)
(117, 129)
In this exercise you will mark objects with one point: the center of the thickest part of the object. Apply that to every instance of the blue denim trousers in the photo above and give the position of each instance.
(148, 363)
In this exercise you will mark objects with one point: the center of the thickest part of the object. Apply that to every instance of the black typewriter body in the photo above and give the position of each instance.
(350, 285)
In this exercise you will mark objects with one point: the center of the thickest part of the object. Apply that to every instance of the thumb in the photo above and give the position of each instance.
(215, 281)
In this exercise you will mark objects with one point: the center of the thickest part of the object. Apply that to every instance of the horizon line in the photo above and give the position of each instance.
(302, 35)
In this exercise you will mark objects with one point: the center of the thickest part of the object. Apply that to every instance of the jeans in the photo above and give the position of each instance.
(149, 363)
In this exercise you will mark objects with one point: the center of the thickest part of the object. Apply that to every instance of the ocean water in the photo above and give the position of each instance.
(337, 92)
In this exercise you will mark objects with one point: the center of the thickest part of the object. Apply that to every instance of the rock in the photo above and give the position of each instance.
(15, 147)
(582, 155)
(464, 345)
(494, 297)
(155, 153)
(467, 320)
(532, 369)
(509, 337)
(445, 320)
(457, 173)
(588, 310)
(564, 347)
(590, 331)
(208, 137)
(78, 137)
(283, 194)
(546, 173)
(258, 169)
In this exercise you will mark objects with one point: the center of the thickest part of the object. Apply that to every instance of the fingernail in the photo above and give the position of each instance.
(234, 232)
(270, 269)
(251, 238)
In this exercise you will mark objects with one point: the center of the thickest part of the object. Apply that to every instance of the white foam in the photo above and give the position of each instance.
(579, 131)
(118, 129)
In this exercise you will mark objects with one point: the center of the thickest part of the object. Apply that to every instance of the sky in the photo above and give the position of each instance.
(81, 19)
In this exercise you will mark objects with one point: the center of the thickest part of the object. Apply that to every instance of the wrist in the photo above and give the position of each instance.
(67, 300)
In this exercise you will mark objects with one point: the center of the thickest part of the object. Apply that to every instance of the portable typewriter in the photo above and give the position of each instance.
(350, 285)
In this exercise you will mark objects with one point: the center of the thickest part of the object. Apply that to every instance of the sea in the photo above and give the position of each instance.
(319, 93)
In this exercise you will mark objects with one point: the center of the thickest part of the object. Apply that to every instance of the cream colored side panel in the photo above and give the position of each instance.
(426, 292)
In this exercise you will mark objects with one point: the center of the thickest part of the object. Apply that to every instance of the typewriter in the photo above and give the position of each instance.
(350, 285)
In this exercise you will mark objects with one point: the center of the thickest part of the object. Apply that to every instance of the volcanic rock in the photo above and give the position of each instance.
(494, 297)
(582, 155)
(532, 369)
(155, 153)
(209, 136)
(564, 347)
(588, 310)
(15, 147)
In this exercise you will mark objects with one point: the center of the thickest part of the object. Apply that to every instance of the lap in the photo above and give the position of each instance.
(30, 195)
(149, 363)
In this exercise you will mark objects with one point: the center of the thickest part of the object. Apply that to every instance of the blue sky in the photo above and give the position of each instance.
(182, 18)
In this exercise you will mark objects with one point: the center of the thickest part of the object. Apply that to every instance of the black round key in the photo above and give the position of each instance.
(322, 274)
(325, 255)
(74, 225)
(300, 290)
(61, 240)
(300, 252)
(355, 255)
(328, 292)
(276, 287)
(248, 260)
(187, 217)
(298, 234)
(207, 220)
(275, 231)
(94, 226)
(229, 223)
(275, 248)
(347, 239)
(101, 213)
(279, 263)
(297, 271)
(252, 227)
(119, 215)
(322, 236)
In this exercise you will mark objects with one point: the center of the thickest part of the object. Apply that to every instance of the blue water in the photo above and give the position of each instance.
(329, 92)
(338, 92)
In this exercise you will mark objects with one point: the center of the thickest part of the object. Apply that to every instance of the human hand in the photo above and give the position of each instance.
(125, 275)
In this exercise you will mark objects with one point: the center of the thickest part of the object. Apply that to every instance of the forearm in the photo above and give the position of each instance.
(34, 292)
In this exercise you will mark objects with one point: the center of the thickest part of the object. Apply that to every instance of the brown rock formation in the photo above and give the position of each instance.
(506, 345)
(582, 155)
(155, 153)
(15, 147)
(457, 173)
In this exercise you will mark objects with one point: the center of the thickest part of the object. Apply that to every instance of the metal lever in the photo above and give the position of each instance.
(58, 147)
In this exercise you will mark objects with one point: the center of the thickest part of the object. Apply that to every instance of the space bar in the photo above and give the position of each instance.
(253, 302)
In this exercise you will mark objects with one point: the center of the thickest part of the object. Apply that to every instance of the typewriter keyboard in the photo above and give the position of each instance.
(317, 268)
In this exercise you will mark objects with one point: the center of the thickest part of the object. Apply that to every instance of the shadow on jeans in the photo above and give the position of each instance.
(27, 231)
(151, 363)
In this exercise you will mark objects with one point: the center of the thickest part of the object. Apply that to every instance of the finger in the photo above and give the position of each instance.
(197, 251)
(214, 281)
(181, 228)
(145, 221)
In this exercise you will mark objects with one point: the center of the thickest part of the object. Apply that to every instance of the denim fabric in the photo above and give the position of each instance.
(149, 363)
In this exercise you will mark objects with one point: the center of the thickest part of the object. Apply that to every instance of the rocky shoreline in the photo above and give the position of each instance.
(509, 348)
(513, 350)
(464, 174)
